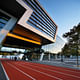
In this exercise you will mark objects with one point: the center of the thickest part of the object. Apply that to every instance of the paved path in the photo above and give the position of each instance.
(67, 64)
(2, 75)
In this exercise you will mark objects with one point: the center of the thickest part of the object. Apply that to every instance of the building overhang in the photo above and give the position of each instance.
(22, 34)
(22, 37)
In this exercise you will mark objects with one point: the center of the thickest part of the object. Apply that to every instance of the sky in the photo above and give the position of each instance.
(65, 13)
(55, 47)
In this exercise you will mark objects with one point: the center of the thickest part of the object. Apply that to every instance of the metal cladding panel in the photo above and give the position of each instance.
(33, 21)
(28, 17)
(9, 25)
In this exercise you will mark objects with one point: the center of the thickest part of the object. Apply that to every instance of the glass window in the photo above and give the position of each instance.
(37, 9)
(3, 20)
(40, 18)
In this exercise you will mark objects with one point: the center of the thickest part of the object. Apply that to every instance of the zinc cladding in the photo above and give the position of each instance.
(40, 20)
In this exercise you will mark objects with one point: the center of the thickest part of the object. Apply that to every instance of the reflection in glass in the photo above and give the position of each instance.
(3, 20)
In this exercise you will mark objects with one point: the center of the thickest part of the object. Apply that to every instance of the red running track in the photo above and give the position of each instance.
(20, 70)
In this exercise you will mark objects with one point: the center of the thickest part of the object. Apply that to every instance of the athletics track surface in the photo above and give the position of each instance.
(20, 70)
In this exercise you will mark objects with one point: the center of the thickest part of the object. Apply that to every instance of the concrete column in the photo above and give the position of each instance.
(55, 56)
(9, 25)
(41, 57)
(49, 56)
(0, 46)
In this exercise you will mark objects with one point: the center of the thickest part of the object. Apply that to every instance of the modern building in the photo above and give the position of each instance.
(56, 47)
(24, 23)
(52, 50)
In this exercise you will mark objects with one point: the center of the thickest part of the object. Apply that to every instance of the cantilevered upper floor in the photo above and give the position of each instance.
(24, 23)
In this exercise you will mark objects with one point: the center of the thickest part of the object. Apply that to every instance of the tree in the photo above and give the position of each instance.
(66, 50)
(73, 37)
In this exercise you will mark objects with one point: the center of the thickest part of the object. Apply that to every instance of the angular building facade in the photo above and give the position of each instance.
(56, 47)
(51, 50)
(24, 23)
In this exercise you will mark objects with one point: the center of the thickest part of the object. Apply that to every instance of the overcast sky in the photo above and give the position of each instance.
(65, 13)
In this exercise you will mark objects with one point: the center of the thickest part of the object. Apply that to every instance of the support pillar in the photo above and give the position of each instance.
(55, 56)
(0, 46)
(41, 57)
(49, 56)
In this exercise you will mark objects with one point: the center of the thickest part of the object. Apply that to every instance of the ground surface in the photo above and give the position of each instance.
(2, 75)
(21, 70)
(67, 63)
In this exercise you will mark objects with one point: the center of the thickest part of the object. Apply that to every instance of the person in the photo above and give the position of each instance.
(61, 59)
(15, 58)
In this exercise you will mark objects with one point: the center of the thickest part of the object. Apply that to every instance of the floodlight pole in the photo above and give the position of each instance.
(77, 58)
(61, 57)
(78, 51)
(0, 46)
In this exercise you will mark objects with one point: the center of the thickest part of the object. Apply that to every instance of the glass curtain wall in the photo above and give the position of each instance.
(3, 20)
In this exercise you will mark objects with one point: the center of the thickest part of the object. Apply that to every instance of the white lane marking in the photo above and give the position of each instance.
(40, 72)
(21, 71)
(5, 72)
(56, 71)
(62, 69)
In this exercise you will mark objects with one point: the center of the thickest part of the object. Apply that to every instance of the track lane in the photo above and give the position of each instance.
(13, 73)
(73, 73)
(56, 67)
(61, 75)
(66, 69)
(36, 74)
(38, 71)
